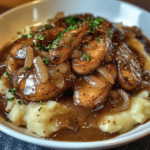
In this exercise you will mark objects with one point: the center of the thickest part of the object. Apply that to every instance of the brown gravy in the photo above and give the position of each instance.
(81, 118)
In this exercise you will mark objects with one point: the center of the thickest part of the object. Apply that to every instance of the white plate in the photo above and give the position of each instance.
(39, 11)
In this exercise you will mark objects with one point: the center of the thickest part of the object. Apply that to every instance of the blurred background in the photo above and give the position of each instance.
(7, 4)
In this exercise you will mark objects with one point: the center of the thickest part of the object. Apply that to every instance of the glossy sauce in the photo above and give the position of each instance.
(81, 122)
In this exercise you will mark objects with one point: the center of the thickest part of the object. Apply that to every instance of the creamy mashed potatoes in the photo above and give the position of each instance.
(39, 119)
(125, 121)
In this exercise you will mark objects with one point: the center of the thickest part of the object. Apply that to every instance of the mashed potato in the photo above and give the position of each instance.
(125, 121)
(39, 119)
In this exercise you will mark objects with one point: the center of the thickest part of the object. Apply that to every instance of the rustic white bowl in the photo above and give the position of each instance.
(39, 11)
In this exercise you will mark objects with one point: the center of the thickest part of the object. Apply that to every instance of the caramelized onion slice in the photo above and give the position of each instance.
(42, 54)
(41, 69)
(75, 54)
(59, 82)
(11, 66)
(29, 57)
(95, 82)
(126, 103)
(62, 68)
(105, 74)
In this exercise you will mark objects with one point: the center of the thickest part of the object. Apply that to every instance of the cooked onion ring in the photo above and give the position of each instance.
(126, 103)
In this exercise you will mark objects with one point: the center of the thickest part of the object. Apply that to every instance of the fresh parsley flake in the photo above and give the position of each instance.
(29, 36)
(45, 60)
(54, 46)
(109, 30)
(70, 35)
(7, 74)
(111, 36)
(57, 70)
(86, 56)
(134, 95)
(12, 91)
(64, 45)
(71, 40)
(94, 23)
(26, 68)
(121, 52)
(56, 99)
(40, 109)
(59, 54)
(99, 38)
(41, 102)
(10, 99)
(7, 120)
(40, 37)
(20, 102)
(25, 44)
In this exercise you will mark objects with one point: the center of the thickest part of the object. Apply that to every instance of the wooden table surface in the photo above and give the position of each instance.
(9, 143)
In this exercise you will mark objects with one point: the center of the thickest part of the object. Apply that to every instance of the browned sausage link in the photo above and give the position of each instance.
(62, 47)
(93, 54)
(129, 76)
(87, 95)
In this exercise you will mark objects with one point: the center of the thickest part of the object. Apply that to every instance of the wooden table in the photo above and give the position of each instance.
(9, 143)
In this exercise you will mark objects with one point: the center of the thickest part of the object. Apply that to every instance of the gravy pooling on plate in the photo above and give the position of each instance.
(66, 78)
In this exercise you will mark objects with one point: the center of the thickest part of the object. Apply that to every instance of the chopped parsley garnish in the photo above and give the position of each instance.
(84, 45)
(54, 46)
(25, 44)
(40, 109)
(45, 60)
(57, 70)
(121, 52)
(56, 99)
(0, 78)
(23, 36)
(44, 27)
(64, 45)
(59, 54)
(10, 99)
(20, 102)
(134, 95)
(29, 36)
(41, 102)
(7, 74)
(111, 36)
(99, 38)
(71, 20)
(40, 37)
(12, 91)
(31, 44)
(94, 23)
(26, 68)
(7, 120)
(70, 35)
(71, 40)
(86, 56)
(109, 30)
